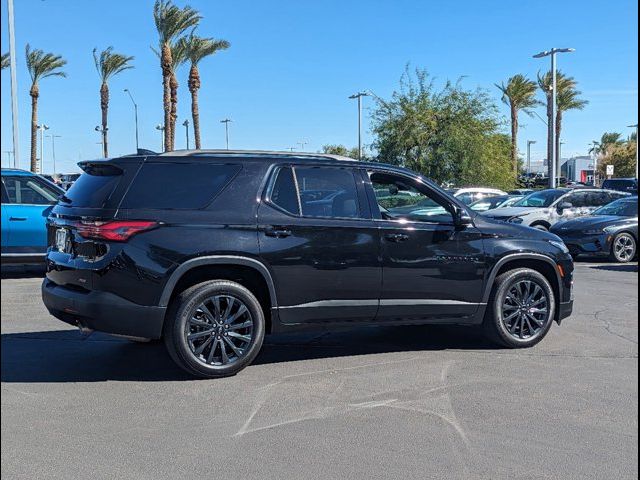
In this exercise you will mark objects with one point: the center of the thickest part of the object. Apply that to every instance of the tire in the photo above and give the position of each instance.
(522, 331)
(203, 335)
(540, 226)
(623, 248)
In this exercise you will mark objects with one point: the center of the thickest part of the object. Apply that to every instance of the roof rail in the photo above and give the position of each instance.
(255, 153)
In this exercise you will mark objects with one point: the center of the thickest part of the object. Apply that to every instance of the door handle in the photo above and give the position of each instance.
(17, 219)
(396, 237)
(277, 232)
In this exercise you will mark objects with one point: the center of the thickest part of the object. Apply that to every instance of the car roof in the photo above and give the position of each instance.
(17, 171)
(481, 190)
(257, 154)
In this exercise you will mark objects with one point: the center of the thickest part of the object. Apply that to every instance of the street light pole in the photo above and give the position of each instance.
(14, 85)
(529, 143)
(53, 149)
(554, 102)
(160, 128)
(302, 143)
(135, 110)
(226, 130)
(186, 127)
(636, 127)
(42, 128)
(102, 131)
(595, 163)
(359, 96)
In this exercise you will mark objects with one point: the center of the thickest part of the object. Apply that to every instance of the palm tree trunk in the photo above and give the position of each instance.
(173, 89)
(35, 93)
(104, 106)
(194, 85)
(514, 140)
(165, 63)
(549, 135)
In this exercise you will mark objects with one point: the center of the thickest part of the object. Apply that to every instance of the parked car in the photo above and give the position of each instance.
(545, 208)
(610, 230)
(521, 191)
(27, 199)
(492, 203)
(473, 194)
(628, 185)
(210, 250)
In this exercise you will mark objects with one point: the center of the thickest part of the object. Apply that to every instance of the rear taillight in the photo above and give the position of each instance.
(115, 231)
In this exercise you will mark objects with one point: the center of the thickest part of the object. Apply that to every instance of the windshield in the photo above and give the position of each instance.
(619, 208)
(542, 199)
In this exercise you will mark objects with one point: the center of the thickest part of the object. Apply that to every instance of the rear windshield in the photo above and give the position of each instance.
(94, 187)
(178, 185)
(618, 184)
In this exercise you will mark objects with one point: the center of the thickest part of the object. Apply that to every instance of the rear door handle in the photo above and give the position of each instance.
(396, 237)
(277, 232)
(17, 219)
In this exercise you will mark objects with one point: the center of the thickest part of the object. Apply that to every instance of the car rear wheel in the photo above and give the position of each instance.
(521, 309)
(623, 249)
(214, 329)
(541, 226)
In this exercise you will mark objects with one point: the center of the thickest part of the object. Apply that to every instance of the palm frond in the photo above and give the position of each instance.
(519, 92)
(171, 21)
(109, 63)
(197, 48)
(41, 65)
(6, 60)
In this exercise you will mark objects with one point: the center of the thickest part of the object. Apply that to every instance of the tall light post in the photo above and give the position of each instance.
(102, 131)
(359, 96)
(636, 127)
(529, 143)
(185, 124)
(9, 152)
(554, 102)
(226, 130)
(14, 85)
(595, 162)
(135, 111)
(302, 143)
(53, 149)
(42, 127)
(160, 128)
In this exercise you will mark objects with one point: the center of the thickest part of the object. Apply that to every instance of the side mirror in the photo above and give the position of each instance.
(461, 218)
(564, 206)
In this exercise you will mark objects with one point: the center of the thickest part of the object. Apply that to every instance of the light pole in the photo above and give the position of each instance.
(226, 130)
(302, 143)
(185, 124)
(359, 96)
(42, 128)
(102, 132)
(135, 110)
(14, 85)
(636, 127)
(529, 143)
(595, 162)
(9, 152)
(554, 100)
(160, 128)
(53, 149)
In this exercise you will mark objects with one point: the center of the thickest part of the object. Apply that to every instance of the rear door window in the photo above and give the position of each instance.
(186, 186)
(284, 193)
(327, 192)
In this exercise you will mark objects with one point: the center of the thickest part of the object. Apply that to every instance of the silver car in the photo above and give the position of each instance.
(545, 208)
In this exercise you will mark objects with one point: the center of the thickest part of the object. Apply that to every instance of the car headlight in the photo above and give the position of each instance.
(609, 230)
(559, 245)
(516, 220)
(594, 231)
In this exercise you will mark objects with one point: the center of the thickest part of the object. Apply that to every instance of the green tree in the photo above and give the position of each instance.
(606, 141)
(519, 93)
(40, 65)
(198, 48)
(341, 150)
(6, 60)
(171, 22)
(108, 64)
(449, 134)
(622, 156)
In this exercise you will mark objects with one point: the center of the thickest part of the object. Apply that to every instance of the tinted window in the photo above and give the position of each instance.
(178, 185)
(327, 192)
(94, 187)
(540, 199)
(28, 190)
(598, 199)
(619, 208)
(620, 184)
(578, 199)
(283, 193)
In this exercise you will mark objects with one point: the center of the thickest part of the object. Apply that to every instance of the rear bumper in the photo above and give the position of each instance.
(102, 311)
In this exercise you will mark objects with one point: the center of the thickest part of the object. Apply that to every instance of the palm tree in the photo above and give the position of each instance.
(108, 64)
(6, 60)
(545, 82)
(171, 22)
(607, 140)
(196, 49)
(519, 93)
(40, 65)
(568, 99)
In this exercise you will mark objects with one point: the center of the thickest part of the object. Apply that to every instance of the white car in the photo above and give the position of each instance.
(473, 194)
(545, 208)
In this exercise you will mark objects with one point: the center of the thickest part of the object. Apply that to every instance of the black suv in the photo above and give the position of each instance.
(211, 250)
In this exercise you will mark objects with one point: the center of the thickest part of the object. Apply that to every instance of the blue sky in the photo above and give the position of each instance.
(292, 65)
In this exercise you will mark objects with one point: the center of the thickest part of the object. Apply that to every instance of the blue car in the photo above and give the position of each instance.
(27, 199)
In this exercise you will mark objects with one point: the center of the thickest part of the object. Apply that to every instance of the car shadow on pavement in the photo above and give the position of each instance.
(67, 356)
(23, 271)
(627, 267)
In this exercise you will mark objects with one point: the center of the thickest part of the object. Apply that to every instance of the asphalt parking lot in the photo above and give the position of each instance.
(405, 402)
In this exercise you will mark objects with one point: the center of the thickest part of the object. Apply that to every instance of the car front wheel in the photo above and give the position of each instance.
(214, 329)
(521, 309)
(624, 248)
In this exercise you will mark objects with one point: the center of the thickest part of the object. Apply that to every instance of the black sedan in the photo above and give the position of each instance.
(610, 230)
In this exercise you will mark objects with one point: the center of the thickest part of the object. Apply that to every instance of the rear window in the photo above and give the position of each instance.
(619, 184)
(185, 186)
(94, 187)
